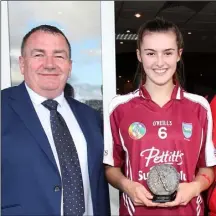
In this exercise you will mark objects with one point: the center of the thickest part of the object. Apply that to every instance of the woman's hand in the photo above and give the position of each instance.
(186, 192)
(140, 195)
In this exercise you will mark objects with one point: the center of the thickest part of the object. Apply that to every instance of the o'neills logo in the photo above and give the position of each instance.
(156, 156)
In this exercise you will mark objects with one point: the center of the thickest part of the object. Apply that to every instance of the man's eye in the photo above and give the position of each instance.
(38, 55)
(59, 56)
(150, 54)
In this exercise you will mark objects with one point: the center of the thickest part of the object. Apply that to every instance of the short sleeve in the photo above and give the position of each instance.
(113, 151)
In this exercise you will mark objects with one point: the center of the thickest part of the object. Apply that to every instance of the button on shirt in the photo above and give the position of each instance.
(76, 133)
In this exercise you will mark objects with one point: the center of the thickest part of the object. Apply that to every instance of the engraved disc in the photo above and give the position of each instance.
(163, 179)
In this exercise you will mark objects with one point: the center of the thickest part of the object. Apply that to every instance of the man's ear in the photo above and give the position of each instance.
(21, 64)
(138, 55)
(70, 69)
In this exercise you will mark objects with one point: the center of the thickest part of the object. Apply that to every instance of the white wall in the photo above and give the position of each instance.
(109, 78)
(5, 50)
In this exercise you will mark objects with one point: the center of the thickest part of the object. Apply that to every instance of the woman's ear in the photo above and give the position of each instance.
(179, 54)
(138, 55)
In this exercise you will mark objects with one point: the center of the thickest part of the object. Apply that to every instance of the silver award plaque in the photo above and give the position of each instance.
(163, 181)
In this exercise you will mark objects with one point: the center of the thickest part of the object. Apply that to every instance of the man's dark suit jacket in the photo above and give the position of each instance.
(31, 183)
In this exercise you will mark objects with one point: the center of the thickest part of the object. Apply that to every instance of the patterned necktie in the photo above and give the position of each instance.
(73, 193)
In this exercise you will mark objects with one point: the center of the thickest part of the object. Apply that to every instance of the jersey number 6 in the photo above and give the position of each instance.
(162, 132)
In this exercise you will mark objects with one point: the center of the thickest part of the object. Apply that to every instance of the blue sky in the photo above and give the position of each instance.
(87, 65)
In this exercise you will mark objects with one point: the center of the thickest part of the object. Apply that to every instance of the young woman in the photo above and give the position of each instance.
(212, 191)
(160, 123)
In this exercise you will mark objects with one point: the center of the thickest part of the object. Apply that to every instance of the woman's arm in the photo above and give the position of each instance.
(203, 179)
(187, 191)
(136, 191)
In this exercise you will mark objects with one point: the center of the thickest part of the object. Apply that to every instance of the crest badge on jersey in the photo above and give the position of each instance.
(137, 130)
(187, 129)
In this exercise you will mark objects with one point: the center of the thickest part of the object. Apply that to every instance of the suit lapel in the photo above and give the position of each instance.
(22, 105)
(81, 119)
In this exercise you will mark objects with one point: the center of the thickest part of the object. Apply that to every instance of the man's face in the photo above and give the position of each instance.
(159, 55)
(45, 63)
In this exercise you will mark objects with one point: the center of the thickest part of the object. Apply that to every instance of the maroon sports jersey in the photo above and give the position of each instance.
(145, 134)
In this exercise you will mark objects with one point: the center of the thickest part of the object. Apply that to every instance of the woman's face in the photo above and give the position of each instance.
(159, 55)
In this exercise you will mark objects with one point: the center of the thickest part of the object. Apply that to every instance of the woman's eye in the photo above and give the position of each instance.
(169, 53)
(150, 54)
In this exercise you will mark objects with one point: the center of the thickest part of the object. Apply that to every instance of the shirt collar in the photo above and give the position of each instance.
(38, 99)
(176, 94)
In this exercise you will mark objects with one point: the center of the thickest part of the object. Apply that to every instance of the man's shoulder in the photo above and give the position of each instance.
(5, 93)
(81, 106)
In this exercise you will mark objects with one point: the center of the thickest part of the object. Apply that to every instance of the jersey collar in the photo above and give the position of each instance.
(176, 94)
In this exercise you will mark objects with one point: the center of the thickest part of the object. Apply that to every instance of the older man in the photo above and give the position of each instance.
(52, 146)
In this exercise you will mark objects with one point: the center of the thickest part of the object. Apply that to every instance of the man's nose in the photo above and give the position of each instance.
(49, 63)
